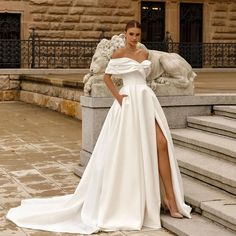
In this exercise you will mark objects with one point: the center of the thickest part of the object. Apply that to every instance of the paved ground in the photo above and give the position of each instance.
(38, 150)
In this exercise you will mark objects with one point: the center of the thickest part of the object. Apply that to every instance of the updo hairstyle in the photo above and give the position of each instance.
(132, 24)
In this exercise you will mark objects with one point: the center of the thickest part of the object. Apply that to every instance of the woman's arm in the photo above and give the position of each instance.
(109, 83)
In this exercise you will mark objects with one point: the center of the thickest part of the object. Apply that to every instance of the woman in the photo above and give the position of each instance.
(120, 188)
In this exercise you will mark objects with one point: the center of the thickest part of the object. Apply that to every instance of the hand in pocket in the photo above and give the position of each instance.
(121, 97)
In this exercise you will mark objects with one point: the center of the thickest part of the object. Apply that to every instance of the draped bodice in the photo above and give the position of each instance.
(131, 71)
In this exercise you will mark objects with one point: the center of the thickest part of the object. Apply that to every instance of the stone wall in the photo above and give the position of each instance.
(223, 21)
(61, 95)
(9, 87)
(75, 19)
(219, 19)
(87, 19)
(80, 19)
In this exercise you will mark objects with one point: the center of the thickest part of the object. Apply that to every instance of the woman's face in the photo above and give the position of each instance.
(132, 36)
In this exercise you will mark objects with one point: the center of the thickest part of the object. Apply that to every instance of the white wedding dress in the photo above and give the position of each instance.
(120, 188)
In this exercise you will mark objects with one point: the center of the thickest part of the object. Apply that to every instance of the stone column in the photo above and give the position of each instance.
(172, 19)
(207, 23)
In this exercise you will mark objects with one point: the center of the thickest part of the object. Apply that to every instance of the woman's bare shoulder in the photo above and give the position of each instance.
(143, 52)
(118, 53)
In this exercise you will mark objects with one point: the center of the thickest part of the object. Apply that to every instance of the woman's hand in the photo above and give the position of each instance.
(109, 83)
(120, 98)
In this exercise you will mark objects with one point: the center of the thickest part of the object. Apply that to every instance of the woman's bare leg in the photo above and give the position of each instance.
(165, 171)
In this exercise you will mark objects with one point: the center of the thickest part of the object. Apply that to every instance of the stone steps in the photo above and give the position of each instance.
(213, 144)
(206, 154)
(229, 111)
(79, 170)
(196, 226)
(215, 124)
(214, 171)
(213, 211)
(210, 202)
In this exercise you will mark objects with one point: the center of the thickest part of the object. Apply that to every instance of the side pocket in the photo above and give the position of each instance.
(125, 100)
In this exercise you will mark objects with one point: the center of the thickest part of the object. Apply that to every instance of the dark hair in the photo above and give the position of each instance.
(132, 24)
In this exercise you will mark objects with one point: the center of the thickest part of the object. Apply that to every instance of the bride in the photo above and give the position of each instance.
(132, 169)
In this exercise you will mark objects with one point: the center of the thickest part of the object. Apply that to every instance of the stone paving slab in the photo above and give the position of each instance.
(39, 149)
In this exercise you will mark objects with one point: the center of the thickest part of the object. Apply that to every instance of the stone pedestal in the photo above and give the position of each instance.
(176, 109)
(94, 111)
(172, 90)
(100, 90)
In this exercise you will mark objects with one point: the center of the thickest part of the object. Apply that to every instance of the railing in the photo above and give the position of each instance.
(77, 54)
(201, 54)
(46, 54)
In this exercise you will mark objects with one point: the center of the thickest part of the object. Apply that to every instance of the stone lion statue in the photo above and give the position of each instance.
(168, 70)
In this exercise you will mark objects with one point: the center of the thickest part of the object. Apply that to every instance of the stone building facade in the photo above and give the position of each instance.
(93, 19)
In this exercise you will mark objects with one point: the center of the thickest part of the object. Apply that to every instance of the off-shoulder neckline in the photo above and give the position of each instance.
(130, 59)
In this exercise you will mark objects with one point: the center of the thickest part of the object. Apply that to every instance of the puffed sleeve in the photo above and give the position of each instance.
(112, 68)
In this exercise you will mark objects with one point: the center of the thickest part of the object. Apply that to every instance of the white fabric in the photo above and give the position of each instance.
(120, 188)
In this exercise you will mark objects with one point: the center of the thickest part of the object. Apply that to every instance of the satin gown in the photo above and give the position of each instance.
(121, 188)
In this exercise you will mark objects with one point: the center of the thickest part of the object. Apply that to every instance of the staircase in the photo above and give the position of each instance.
(206, 153)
